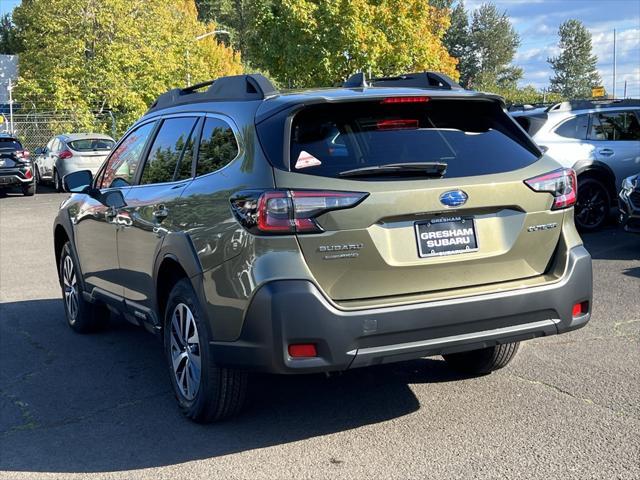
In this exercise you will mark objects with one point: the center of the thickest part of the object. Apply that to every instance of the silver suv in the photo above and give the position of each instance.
(600, 140)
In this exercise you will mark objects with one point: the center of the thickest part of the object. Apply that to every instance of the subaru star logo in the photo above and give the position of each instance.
(453, 198)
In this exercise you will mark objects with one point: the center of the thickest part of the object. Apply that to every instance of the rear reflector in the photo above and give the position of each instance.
(301, 350)
(561, 183)
(405, 100)
(580, 309)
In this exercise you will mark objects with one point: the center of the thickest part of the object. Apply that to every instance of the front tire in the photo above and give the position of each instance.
(205, 392)
(484, 360)
(593, 205)
(82, 316)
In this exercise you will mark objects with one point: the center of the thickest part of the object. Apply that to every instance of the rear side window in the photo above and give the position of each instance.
(575, 127)
(218, 146)
(167, 149)
(614, 126)
(91, 144)
(123, 162)
(471, 137)
(10, 144)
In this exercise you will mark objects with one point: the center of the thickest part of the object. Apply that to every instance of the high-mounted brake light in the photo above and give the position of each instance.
(289, 211)
(405, 100)
(562, 184)
(65, 154)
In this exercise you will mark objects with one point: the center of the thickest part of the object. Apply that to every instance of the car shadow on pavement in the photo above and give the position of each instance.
(103, 402)
(612, 243)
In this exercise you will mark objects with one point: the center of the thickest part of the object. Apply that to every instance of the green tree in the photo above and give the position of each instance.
(494, 44)
(312, 42)
(116, 55)
(458, 42)
(9, 44)
(575, 71)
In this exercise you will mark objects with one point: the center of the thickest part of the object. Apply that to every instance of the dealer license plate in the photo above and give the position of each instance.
(446, 236)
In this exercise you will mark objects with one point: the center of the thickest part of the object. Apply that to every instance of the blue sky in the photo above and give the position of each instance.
(537, 22)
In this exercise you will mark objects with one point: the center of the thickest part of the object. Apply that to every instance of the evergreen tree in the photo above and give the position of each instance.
(575, 71)
(457, 40)
(9, 44)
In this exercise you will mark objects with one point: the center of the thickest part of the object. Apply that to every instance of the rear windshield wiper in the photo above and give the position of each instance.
(429, 169)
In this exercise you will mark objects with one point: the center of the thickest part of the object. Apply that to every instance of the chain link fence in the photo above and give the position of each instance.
(34, 128)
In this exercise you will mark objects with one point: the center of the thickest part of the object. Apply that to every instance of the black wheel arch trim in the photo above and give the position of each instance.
(587, 166)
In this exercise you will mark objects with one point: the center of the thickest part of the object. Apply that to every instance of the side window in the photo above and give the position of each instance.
(166, 150)
(575, 127)
(615, 126)
(123, 162)
(218, 146)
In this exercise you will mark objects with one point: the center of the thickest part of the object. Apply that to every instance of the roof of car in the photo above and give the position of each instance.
(70, 137)
(8, 135)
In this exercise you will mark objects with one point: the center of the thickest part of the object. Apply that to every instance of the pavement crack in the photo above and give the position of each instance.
(28, 421)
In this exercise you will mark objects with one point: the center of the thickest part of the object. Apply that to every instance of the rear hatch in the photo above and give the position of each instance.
(89, 153)
(8, 152)
(446, 208)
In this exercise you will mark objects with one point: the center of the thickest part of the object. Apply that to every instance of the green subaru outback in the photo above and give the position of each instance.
(323, 230)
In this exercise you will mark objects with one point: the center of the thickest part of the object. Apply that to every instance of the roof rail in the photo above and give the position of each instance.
(587, 104)
(434, 80)
(237, 87)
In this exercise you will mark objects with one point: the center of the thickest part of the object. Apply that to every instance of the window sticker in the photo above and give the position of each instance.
(306, 160)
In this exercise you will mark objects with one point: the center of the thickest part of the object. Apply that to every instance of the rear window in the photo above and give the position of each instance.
(91, 144)
(471, 137)
(10, 144)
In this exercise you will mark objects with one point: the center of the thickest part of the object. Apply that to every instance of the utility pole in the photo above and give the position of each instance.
(10, 90)
(614, 63)
(625, 89)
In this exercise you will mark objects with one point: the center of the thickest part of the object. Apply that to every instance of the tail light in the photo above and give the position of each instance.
(26, 171)
(562, 184)
(289, 211)
(65, 154)
(22, 154)
(405, 100)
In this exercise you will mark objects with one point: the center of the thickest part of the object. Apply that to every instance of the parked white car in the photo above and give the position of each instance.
(71, 152)
(600, 140)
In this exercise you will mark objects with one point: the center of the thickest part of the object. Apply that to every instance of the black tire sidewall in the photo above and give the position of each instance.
(595, 181)
(78, 323)
(183, 292)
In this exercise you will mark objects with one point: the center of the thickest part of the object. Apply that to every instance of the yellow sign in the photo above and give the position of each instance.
(597, 92)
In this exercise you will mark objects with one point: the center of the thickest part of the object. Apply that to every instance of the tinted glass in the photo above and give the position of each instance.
(615, 126)
(471, 137)
(9, 144)
(218, 146)
(575, 127)
(123, 162)
(185, 163)
(91, 144)
(166, 150)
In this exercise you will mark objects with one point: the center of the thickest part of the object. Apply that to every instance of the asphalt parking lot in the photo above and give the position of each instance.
(100, 406)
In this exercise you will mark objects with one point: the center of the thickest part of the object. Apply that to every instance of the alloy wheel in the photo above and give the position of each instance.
(185, 351)
(592, 205)
(70, 286)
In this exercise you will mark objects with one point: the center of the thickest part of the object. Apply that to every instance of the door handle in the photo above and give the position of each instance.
(161, 213)
(607, 152)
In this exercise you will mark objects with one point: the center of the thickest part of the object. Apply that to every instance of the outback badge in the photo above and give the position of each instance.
(453, 198)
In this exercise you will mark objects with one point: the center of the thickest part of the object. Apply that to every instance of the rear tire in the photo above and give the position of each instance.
(593, 205)
(37, 174)
(81, 315)
(29, 190)
(205, 392)
(57, 182)
(484, 360)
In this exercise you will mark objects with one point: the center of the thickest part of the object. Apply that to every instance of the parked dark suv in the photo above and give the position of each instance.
(16, 168)
(322, 230)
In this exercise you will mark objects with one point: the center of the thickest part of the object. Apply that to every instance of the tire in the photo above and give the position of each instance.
(82, 316)
(57, 181)
(483, 361)
(211, 393)
(29, 190)
(37, 174)
(593, 205)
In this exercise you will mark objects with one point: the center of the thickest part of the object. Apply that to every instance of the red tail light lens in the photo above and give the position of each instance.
(65, 154)
(289, 211)
(405, 100)
(562, 184)
(22, 154)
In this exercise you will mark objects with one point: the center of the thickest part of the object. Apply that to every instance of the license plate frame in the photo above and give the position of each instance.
(441, 224)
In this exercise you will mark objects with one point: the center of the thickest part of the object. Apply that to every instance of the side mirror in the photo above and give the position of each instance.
(77, 182)
(112, 199)
(39, 151)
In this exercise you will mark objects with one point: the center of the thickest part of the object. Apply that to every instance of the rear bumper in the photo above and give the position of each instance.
(12, 179)
(294, 311)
